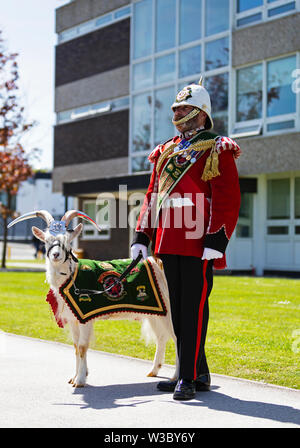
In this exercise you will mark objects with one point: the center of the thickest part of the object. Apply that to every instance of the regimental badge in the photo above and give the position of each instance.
(105, 265)
(141, 293)
(184, 94)
(107, 279)
(85, 267)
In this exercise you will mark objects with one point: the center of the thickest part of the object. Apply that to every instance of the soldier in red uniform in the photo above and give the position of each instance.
(189, 214)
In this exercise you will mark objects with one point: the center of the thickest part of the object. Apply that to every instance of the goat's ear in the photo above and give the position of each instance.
(76, 231)
(38, 233)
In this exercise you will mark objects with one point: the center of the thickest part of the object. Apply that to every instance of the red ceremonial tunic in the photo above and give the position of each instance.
(202, 213)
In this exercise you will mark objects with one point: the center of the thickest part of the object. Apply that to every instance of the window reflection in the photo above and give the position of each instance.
(165, 24)
(249, 93)
(164, 128)
(278, 199)
(142, 75)
(217, 53)
(141, 118)
(190, 15)
(142, 29)
(217, 87)
(216, 22)
(244, 5)
(190, 61)
(140, 164)
(281, 99)
(165, 68)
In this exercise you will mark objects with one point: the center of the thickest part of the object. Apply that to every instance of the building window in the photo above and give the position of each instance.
(265, 98)
(165, 20)
(178, 50)
(244, 228)
(100, 212)
(297, 198)
(142, 29)
(280, 97)
(278, 199)
(190, 19)
(92, 110)
(249, 93)
(249, 12)
(216, 16)
(94, 24)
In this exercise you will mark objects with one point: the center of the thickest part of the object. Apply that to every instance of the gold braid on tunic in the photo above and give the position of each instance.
(211, 166)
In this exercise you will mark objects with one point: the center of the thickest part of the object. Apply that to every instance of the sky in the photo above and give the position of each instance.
(28, 28)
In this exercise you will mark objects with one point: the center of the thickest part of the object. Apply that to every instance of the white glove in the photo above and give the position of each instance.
(209, 254)
(135, 250)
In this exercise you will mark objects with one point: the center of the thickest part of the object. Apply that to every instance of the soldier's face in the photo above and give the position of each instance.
(182, 111)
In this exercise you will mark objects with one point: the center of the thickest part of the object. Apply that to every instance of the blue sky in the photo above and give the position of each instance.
(29, 29)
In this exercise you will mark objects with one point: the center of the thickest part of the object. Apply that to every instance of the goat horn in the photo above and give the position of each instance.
(36, 214)
(71, 214)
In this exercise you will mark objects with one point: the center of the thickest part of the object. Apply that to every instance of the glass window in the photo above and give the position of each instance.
(281, 99)
(164, 128)
(142, 29)
(190, 14)
(216, 16)
(123, 12)
(278, 199)
(142, 75)
(297, 197)
(165, 24)
(190, 61)
(281, 9)
(278, 230)
(217, 87)
(103, 20)
(217, 53)
(141, 119)
(281, 125)
(99, 212)
(140, 164)
(244, 5)
(249, 93)
(165, 68)
(244, 227)
(249, 19)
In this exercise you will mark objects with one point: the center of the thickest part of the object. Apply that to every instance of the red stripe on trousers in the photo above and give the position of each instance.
(200, 316)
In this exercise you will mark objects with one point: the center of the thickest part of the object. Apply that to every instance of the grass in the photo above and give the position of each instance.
(253, 333)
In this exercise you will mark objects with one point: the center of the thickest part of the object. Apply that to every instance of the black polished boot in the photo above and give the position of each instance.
(203, 383)
(167, 386)
(185, 390)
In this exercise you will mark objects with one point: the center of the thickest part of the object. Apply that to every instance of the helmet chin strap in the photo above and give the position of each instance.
(187, 117)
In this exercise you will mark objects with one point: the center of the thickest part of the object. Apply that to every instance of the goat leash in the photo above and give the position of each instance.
(134, 262)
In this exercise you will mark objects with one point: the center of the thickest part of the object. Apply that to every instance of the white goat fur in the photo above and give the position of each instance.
(57, 270)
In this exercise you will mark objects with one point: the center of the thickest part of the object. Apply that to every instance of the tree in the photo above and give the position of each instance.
(14, 162)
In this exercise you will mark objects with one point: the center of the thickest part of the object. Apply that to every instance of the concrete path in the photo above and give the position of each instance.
(35, 393)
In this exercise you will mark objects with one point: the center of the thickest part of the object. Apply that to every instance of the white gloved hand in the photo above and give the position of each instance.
(135, 250)
(209, 254)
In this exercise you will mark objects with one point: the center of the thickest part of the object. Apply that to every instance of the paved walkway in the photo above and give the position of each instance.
(35, 394)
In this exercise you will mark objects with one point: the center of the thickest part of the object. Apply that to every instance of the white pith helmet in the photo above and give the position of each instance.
(195, 95)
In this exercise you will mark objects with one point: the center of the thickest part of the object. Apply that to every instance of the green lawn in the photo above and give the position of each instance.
(253, 328)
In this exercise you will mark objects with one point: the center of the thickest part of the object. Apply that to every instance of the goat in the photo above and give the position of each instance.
(61, 265)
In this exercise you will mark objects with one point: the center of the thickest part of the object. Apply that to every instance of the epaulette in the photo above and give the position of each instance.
(157, 151)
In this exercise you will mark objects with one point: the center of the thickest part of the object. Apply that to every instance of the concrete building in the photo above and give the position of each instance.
(119, 65)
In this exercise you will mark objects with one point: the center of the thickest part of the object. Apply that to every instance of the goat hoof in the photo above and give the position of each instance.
(77, 386)
(71, 381)
(151, 374)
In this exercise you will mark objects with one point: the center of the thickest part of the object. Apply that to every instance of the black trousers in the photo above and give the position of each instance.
(190, 282)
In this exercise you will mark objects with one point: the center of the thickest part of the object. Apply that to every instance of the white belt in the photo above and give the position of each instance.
(177, 202)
